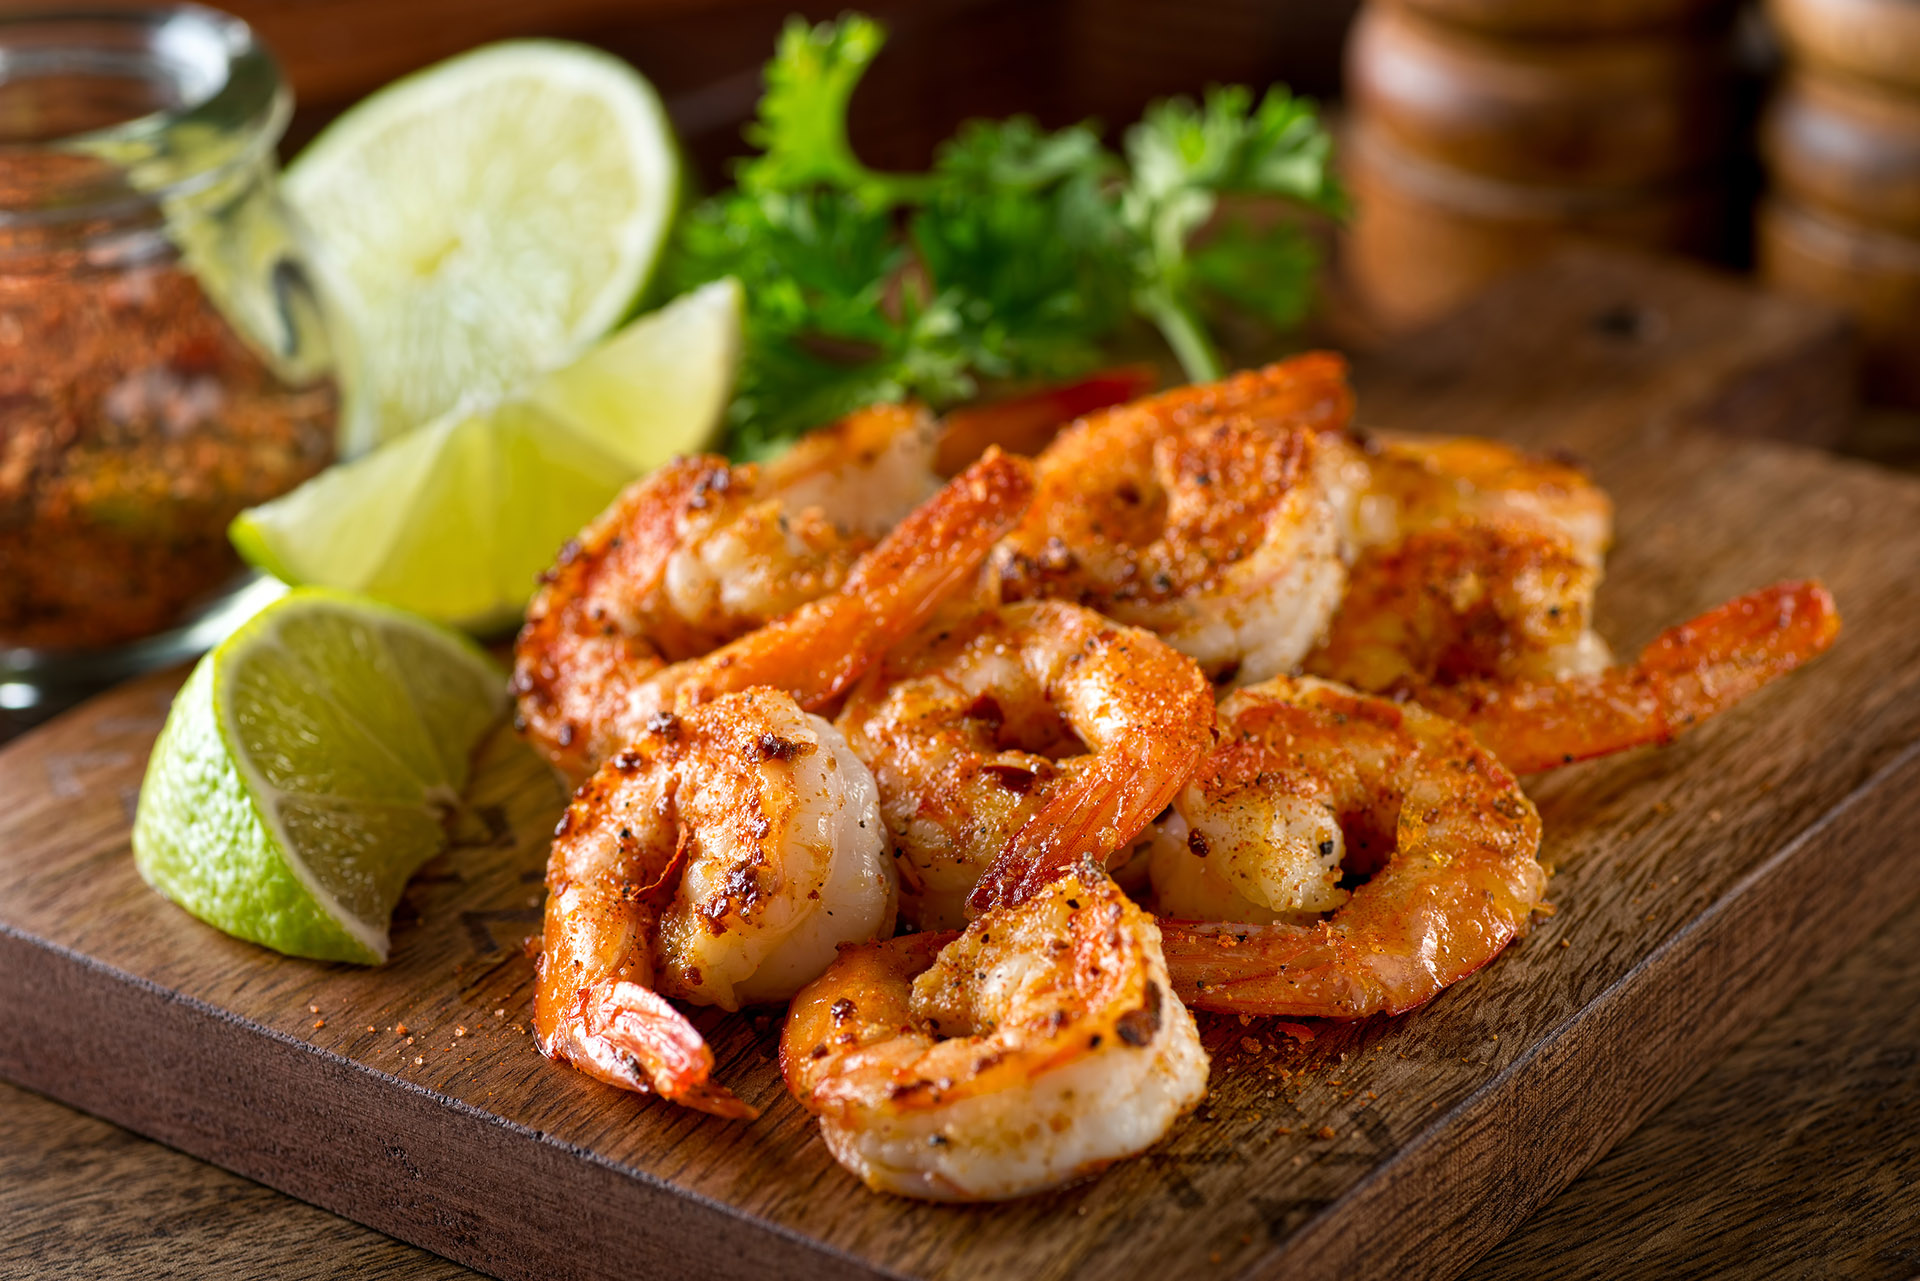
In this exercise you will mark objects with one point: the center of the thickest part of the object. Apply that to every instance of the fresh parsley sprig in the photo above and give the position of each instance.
(1021, 253)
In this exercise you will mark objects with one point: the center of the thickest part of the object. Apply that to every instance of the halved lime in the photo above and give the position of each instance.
(307, 769)
(484, 220)
(456, 520)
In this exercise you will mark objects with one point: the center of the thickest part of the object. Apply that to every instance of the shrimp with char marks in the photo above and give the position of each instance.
(1462, 602)
(1312, 780)
(588, 676)
(1211, 515)
(1473, 595)
(1689, 673)
(1471, 560)
(1033, 733)
(718, 859)
(1038, 1046)
(1426, 482)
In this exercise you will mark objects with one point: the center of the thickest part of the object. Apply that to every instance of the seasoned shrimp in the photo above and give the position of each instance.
(1042, 729)
(1311, 779)
(1690, 672)
(1503, 602)
(864, 472)
(1027, 424)
(1422, 482)
(720, 859)
(1039, 1046)
(1212, 516)
(589, 675)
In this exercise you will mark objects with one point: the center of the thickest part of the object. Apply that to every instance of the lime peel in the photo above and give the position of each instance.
(456, 520)
(306, 769)
(483, 220)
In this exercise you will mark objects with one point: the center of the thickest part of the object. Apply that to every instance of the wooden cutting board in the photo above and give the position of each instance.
(1696, 888)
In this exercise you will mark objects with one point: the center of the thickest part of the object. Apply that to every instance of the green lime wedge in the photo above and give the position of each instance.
(307, 769)
(457, 520)
(483, 220)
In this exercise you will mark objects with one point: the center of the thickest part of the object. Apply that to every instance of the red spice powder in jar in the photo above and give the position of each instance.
(135, 421)
(134, 425)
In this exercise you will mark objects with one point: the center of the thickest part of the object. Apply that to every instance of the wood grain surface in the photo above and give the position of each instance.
(1696, 888)
(84, 1199)
(1795, 1158)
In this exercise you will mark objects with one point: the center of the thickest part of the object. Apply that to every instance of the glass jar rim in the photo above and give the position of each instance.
(233, 103)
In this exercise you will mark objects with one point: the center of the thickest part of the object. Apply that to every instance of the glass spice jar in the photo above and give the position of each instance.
(164, 358)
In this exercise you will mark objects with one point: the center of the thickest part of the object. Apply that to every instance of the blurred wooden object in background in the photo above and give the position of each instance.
(1573, 17)
(946, 60)
(1869, 39)
(1841, 141)
(1425, 236)
(1484, 132)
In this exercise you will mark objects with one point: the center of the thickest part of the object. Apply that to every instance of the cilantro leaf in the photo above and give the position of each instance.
(1020, 238)
(801, 124)
(1183, 158)
(1022, 253)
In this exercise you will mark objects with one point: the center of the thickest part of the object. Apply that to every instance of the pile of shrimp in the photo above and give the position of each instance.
(1213, 703)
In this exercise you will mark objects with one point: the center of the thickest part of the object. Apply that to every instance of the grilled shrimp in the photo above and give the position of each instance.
(589, 672)
(1689, 672)
(1472, 560)
(720, 858)
(1040, 731)
(1423, 482)
(1473, 594)
(864, 472)
(1504, 601)
(1028, 423)
(1210, 515)
(1312, 779)
(1039, 1046)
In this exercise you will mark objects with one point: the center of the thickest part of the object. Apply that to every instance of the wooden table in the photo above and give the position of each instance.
(1797, 1157)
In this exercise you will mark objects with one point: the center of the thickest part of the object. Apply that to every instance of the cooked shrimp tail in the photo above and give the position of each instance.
(818, 651)
(639, 1041)
(721, 859)
(1156, 728)
(1027, 424)
(589, 676)
(1689, 673)
(595, 1008)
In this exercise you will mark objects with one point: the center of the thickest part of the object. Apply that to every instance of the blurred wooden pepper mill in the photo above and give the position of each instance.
(1841, 143)
(1482, 132)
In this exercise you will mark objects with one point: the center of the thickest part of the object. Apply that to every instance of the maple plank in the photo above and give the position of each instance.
(1695, 888)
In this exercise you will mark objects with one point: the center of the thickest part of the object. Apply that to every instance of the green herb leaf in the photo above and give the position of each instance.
(801, 124)
(1022, 253)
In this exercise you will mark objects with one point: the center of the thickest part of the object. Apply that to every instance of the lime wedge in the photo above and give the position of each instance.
(484, 220)
(458, 519)
(306, 771)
